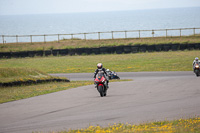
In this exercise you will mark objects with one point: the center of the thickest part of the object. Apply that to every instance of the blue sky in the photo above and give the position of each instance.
(13, 7)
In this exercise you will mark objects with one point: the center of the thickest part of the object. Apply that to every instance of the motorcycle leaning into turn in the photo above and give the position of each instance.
(113, 75)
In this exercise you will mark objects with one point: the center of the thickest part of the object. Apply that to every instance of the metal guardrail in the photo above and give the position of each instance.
(123, 34)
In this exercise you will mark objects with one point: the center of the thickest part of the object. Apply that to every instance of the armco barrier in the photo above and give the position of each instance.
(103, 50)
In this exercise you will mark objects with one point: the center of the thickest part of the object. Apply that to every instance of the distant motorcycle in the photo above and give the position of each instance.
(197, 69)
(100, 81)
(113, 75)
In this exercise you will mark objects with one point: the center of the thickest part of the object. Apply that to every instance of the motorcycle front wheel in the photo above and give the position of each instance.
(100, 89)
(197, 73)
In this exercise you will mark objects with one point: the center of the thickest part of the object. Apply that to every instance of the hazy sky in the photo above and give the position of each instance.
(10, 7)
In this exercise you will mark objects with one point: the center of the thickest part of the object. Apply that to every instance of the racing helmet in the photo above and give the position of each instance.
(99, 65)
(196, 58)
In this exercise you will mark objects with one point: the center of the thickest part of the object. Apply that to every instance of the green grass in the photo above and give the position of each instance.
(79, 43)
(8, 75)
(8, 94)
(156, 61)
(22, 74)
(21, 92)
(176, 126)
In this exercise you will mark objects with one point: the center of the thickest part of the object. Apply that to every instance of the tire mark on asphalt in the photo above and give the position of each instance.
(55, 111)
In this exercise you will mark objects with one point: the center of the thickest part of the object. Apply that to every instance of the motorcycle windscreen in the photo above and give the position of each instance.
(99, 76)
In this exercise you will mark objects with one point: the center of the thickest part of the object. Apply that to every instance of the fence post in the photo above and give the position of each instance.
(44, 39)
(85, 36)
(72, 36)
(153, 33)
(16, 38)
(112, 35)
(99, 35)
(139, 33)
(58, 38)
(194, 31)
(125, 34)
(166, 33)
(180, 32)
(31, 38)
(3, 38)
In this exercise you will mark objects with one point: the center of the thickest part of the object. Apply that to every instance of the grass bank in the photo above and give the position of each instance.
(79, 43)
(8, 94)
(175, 126)
(20, 76)
(21, 92)
(12, 93)
(156, 61)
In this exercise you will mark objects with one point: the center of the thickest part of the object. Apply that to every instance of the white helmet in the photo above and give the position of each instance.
(107, 70)
(99, 65)
(196, 58)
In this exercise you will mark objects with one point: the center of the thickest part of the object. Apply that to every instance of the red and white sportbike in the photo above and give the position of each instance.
(101, 82)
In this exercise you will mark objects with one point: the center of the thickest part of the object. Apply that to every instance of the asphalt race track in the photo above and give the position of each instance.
(151, 96)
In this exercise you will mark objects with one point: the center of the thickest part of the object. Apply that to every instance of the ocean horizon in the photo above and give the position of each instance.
(70, 23)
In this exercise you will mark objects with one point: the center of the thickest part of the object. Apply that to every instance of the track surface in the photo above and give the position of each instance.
(151, 96)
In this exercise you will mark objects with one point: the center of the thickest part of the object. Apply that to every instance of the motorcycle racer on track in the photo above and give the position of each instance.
(196, 61)
(100, 68)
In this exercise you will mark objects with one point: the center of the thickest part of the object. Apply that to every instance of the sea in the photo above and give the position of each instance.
(94, 22)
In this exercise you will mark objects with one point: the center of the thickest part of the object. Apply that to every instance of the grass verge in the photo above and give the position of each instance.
(21, 92)
(8, 94)
(20, 76)
(155, 61)
(175, 126)
(79, 43)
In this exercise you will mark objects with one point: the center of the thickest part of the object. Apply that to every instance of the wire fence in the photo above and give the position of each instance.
(101, 35)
